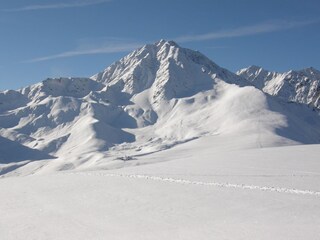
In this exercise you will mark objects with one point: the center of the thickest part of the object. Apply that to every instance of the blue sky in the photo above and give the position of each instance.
(53, 38)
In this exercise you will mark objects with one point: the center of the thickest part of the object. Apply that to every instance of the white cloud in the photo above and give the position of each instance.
(74, 4)
(102, 49)
(267, 27)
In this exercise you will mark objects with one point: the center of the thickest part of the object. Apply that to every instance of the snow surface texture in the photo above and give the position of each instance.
(192, 150)
(294, 86)
(156, 97)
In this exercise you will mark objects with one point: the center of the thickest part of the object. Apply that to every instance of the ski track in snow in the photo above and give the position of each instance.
(211, 184)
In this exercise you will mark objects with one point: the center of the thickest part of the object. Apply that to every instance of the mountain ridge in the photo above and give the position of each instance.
(301, 86)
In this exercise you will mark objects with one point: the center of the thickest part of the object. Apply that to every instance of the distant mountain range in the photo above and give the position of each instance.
(156, 97)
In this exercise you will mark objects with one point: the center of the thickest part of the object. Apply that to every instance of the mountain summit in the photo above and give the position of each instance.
(165, 68)
(155, 98)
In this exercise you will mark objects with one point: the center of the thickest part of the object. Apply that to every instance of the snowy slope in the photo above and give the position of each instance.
(157, 97)
(270, 193)
(297, 86)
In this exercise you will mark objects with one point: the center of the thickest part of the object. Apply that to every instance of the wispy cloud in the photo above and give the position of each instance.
(218, 47)
(110, 47)
(266, 27)
(74, 4)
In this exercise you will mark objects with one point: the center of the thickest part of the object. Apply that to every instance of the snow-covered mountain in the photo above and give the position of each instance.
(156, 97)
(295, 86)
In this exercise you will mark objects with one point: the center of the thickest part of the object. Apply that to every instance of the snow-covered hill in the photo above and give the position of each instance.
(295, 86)
(158, 96)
